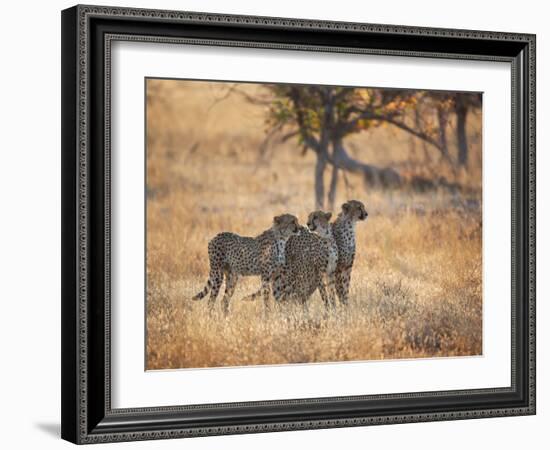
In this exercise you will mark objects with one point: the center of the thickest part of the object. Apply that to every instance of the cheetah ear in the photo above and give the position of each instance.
(328, 216)
(345, 207)
(277, 220)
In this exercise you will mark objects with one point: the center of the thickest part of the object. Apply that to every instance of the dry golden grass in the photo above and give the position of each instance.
(416, 284)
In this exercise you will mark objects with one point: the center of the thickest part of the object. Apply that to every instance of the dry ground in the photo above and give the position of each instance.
(416, 284)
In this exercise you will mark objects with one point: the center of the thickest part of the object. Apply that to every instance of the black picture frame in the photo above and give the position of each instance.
(87, 32)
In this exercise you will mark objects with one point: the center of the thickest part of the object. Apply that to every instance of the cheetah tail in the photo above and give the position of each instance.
(205, 291)
(252, 297)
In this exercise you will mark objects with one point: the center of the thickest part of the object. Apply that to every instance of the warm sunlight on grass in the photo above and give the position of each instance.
(416, 286)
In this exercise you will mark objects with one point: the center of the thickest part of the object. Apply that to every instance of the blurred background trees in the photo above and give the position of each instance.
(344, 139)
(322, 118)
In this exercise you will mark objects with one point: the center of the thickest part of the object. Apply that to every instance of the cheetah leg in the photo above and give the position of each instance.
(253, 296)
(217, 278)
(230, 283)
(279, 289)
(265, 294)
(305, 307)
(339, 286)
(326, 299)
(342, 285)
(332, 294)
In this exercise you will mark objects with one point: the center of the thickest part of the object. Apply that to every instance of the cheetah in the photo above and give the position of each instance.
(310, 264)
(343, 229)
(233, 256)
(303, 278)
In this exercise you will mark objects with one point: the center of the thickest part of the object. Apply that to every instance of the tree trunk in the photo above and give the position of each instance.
(427, 158)
(332, 188)
(327, 95)
(319, 181)
(462, 139)
(442, 118)
(343, 161)
(372, 175)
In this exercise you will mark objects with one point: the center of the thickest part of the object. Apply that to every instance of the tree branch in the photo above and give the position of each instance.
(309, 140)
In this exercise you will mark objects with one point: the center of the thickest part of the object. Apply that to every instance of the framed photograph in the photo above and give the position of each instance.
(279, 224)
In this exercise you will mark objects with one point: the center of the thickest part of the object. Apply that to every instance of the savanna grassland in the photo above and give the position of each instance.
(416, 288)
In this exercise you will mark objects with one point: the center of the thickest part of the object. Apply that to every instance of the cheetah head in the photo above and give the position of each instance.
(354, 210)
(286, 225)
(319, 221)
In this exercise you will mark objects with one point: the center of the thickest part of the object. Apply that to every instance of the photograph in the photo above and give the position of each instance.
(302, 223)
